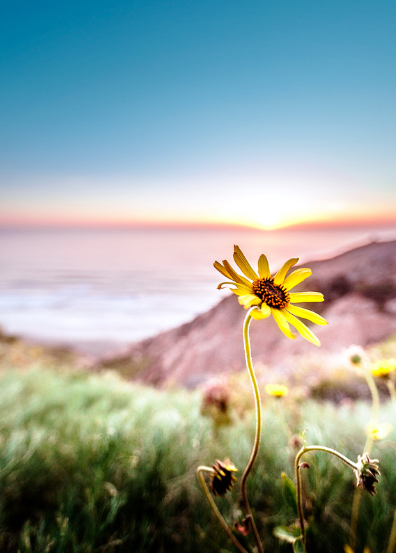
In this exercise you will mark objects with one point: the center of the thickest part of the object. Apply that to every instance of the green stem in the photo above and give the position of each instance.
(213, 505)
(375, 404)
(392, 537)
(306, 449)
(354, 517)
(299, 494)
(392, 392)
(256, 444)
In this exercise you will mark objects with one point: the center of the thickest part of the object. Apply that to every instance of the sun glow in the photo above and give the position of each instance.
(278, 209)
(269, 222)
(273, 220)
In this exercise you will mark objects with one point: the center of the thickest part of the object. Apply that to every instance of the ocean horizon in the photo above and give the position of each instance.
(101, 289)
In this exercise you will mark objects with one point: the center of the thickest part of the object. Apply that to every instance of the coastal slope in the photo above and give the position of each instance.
(360, 306)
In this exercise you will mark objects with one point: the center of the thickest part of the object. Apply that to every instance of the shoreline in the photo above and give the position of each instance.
(360, 306)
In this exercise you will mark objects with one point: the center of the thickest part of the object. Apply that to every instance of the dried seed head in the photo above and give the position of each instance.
(367, 472)
(223, 478)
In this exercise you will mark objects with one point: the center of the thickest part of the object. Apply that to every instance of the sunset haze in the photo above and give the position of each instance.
(250, 113)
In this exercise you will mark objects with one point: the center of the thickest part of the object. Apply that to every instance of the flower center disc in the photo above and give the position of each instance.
(273, 295)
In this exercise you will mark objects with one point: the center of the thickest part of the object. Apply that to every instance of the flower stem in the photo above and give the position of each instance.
(256, 445)
(375, 404)
(354, 517)
(302, 451)
(213, 505)
(392, 392)
(392, 537)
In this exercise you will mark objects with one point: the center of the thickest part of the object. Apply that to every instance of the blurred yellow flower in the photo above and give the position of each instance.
(271, 295)
(383, 367)
(276, 390)
(378, 431)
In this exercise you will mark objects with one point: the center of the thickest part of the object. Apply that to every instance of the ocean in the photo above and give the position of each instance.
(98, 290)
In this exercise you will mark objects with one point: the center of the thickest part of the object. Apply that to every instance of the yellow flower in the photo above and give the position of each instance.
(383, 368)
(271, 295)
(378, 431)
(276, 390)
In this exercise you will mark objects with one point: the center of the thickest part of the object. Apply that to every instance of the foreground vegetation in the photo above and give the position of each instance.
(91, 463)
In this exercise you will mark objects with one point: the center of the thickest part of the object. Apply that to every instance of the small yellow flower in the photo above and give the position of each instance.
(378, 431)
(223, 478)
(383, 368)
(271, 295)
(276, 390)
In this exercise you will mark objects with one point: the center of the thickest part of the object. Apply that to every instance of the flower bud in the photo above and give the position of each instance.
(223, 478)
(367, 472)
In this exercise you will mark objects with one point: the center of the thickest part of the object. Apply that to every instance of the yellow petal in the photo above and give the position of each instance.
(301, 297)
(265, 310)
(263, 267)
(282, 323)
(241, 290)
(257, 314)
(301, 328)
(296, 277)
(234, 275)
(280, 275)
(244, 264)
(221, 269)
(306, 314)
(222, 284)
(249, 300)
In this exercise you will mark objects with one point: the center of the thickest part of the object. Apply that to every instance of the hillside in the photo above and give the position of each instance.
(360, 305)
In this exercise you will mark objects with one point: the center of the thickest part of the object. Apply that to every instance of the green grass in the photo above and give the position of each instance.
(91, 463)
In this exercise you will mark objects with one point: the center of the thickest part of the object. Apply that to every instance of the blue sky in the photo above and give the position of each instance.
(245, 111)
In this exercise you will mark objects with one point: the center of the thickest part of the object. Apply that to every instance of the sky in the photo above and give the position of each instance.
(219, 112)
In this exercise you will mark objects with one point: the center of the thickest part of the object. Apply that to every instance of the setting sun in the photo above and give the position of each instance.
(277, 213)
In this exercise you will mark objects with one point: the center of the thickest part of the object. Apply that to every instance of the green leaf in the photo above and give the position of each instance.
(287, 533)
(298, 546)
(289, 492)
